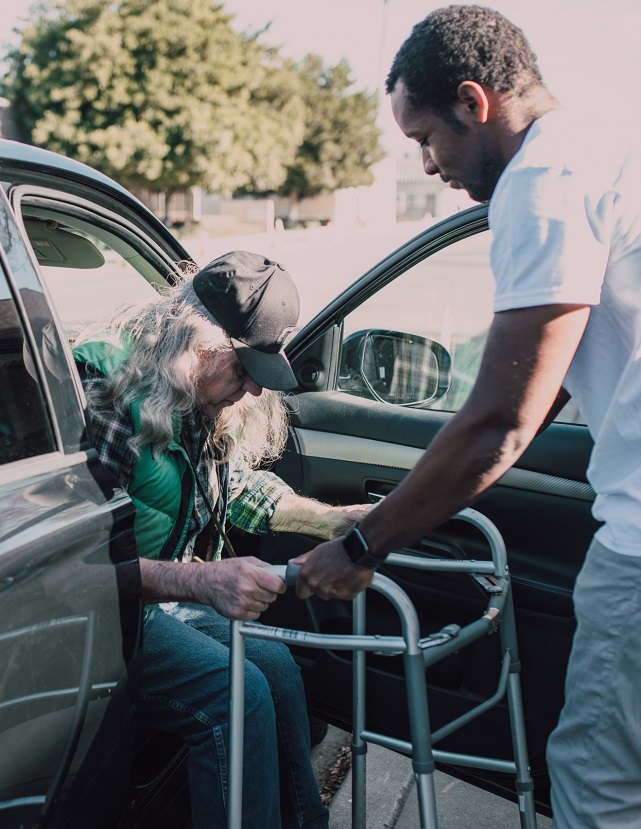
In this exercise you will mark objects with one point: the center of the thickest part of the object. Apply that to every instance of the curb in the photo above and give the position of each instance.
(389, 783)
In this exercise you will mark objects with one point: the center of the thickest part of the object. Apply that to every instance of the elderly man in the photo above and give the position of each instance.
(182, 414)
(566, 257)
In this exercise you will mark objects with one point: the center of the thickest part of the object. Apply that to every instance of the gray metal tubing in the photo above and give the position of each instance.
(422, 755)
(470, 633)
(336, 642)
(359, 643)
(422, 758)
(373, 642)
(415, 659)
(491, 533)
(236, 726)
(406, 610)
(474, 762)
(417, 562)
(359, 747)
(375, 737)
(471, 760)
(484, 706)
(524, 783)
(497, 566)
(428, 817)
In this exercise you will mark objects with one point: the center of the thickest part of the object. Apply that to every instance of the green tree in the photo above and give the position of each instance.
(162, 94)
(341, 140)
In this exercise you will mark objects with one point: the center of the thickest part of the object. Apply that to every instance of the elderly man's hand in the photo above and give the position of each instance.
(239, 588)
(339, 520)
(327, 572)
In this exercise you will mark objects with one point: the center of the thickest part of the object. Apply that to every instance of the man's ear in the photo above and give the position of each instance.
(473, 101)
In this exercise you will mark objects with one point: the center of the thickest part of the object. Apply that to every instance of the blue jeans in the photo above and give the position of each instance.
(185, 690)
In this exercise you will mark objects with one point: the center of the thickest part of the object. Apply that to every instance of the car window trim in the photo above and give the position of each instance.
(81, 209)
(19, 194)
(29, 336)
(435, 238)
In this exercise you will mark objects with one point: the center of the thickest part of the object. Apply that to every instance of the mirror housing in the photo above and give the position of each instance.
(394, 367)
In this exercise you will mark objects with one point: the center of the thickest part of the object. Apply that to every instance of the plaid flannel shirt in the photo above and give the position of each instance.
(253, 493)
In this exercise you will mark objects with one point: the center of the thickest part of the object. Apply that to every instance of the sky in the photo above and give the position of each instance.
(589, 50)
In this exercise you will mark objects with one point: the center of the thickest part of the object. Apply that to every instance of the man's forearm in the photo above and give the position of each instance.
(295, 514)
(238, 588)
(525, 361)
(165, 581)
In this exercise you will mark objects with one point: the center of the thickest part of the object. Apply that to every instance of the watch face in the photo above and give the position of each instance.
(354, 544)
(357, 549)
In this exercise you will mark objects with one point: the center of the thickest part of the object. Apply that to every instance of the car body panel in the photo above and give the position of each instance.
(69, 576)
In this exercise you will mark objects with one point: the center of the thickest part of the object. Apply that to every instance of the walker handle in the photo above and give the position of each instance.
(287, 572)
(291, 574)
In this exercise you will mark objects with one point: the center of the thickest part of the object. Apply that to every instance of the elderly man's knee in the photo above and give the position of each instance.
(258, 695)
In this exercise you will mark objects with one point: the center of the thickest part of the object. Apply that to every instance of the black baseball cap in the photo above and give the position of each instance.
(256, 302)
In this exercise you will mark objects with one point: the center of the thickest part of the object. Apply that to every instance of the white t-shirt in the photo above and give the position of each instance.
(566, 219)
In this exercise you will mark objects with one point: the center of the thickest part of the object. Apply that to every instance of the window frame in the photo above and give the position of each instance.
(94, 215)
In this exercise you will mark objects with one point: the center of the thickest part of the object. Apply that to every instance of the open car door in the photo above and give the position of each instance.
(380, 371)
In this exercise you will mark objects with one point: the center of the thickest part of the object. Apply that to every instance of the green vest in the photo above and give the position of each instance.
(162, 485)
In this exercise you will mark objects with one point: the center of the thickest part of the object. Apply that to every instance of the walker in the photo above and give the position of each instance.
(418, 653)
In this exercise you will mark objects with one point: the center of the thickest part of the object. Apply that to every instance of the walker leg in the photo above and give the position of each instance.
(236, 726)
(426, 801)
(422, 754)
(524, 783)
(359, 746)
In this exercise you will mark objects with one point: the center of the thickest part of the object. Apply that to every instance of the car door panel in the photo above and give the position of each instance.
(344, 448)
(545, 519)
(69, 577)
(69, 573)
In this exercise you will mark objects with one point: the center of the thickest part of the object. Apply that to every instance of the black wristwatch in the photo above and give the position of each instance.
(358, 550)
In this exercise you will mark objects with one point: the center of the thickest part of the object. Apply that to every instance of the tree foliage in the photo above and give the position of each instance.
(341, 139)
(165, 94)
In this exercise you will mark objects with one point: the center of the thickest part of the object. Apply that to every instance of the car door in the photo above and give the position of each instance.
(69, 583)
(350, 444)
(77, 246)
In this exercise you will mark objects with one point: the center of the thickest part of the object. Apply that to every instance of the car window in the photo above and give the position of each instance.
(25, 429)
(93, 261)
(446, 298)
(89, 273)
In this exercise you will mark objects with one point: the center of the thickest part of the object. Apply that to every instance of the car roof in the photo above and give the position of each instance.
(17, 152)
(74, 177)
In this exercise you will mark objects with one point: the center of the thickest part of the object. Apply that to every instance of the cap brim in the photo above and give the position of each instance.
(271, 371)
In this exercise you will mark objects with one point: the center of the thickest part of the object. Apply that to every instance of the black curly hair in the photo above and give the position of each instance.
(459, 43)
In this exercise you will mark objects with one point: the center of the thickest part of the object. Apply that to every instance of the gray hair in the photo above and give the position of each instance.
(167, 338)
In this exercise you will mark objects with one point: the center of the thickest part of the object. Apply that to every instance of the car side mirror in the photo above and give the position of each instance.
(393, 367)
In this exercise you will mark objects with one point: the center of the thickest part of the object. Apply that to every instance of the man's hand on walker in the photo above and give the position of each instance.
(327, 572)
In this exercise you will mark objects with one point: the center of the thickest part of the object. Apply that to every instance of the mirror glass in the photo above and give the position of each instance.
(394, 367)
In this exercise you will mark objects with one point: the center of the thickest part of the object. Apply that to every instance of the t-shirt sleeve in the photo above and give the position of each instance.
(546, 248)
